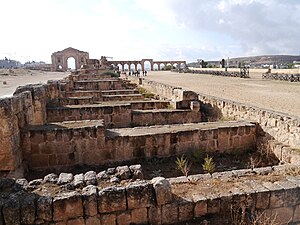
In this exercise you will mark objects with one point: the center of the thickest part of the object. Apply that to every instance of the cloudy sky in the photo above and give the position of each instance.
(158, 29)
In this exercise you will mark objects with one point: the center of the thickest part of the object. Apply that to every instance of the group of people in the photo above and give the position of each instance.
(135, 73)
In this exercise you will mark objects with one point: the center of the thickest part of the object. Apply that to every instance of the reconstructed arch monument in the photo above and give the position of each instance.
(60, 58)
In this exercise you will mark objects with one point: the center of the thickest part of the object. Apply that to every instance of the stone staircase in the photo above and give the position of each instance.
(83, 111)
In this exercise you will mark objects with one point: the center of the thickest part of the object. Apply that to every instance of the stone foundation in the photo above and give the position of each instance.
(159, 201)
(282, 127)
(65, 145)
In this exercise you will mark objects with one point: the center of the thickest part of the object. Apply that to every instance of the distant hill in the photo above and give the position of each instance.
(259, 61)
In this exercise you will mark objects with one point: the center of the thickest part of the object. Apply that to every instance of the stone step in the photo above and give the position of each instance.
(104, 84)
(84, 93)
(143, 104)
(124, 97)
(91, 77)
(113, 115)
(164, 116)
(166, 140)
(78, 100)
(120, 92)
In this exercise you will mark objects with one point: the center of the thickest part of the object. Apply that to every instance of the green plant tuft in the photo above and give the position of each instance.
(209, 166)
(183, 165)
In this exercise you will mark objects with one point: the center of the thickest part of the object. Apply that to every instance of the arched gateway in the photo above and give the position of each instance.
(60, 59)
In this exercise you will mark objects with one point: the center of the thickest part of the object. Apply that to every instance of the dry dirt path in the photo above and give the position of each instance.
(22, 77)
(279, 96)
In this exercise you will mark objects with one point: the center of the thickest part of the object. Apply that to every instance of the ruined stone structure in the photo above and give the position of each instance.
(141, 63)
(91, 119)
(60, 59)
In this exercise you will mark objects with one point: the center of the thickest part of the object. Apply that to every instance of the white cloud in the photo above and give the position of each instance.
(135, 29)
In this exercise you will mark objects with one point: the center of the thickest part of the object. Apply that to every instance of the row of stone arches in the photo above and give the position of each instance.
(147, 66)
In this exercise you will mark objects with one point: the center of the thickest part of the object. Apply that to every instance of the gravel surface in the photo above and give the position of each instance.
(281, 96)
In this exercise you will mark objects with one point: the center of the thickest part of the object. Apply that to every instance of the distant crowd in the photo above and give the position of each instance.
(135, 73)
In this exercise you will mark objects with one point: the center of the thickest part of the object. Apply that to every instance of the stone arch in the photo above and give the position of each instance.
(161, 66)
(155, 66)
(120, 67)
(139, 67)
(149, 61)
(132, 66)
(61, 58)
(71, 63)
(126, 67)
(147, 65)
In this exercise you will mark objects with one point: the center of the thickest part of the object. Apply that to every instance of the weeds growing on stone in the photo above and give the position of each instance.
(183, 165)
(145, 93)
(241, 217)
(209, 166)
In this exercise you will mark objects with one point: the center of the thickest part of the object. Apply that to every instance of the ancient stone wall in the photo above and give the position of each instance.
(65, 147)
(158, 201)
(284, 128)
(155, 117)
(15, 113)
(26, 107)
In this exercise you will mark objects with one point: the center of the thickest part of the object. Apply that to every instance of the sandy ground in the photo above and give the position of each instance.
(22, 77)
(281, 96)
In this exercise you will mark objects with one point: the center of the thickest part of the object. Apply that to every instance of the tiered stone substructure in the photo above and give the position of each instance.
(93, 119)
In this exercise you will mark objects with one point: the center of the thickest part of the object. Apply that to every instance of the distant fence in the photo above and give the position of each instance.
(281, 76)
(218, 73)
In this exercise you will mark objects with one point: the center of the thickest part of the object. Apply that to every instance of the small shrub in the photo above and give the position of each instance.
(209, 166)
(145, 93)
(156, 173)
(183, 165)
(254, 162)
(111, 73)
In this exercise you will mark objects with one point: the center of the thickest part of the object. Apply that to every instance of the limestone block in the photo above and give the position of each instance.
(78, 181)
(124, 218)
(296, 217)
(186, 210)
(6, 107)
(277, 197)
(200, 206)
(11, 211)
(67, 205)
(139, 195)
(283, 215)
(213, 205)
(163, 190)
(136, 171)
(112, 199)
(123, 172)
(139, 216)
(65, 178)
(44, 208)
(89, 195)
(77, 221)
(93, 221)
(108, 219)
(154, 214)
(27, 209)
(50, 178)
(170, 213)
(90, 178)
(291, 192)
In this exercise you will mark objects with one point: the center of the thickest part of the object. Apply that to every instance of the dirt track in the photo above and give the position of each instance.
(21, 77)
(279, 96)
